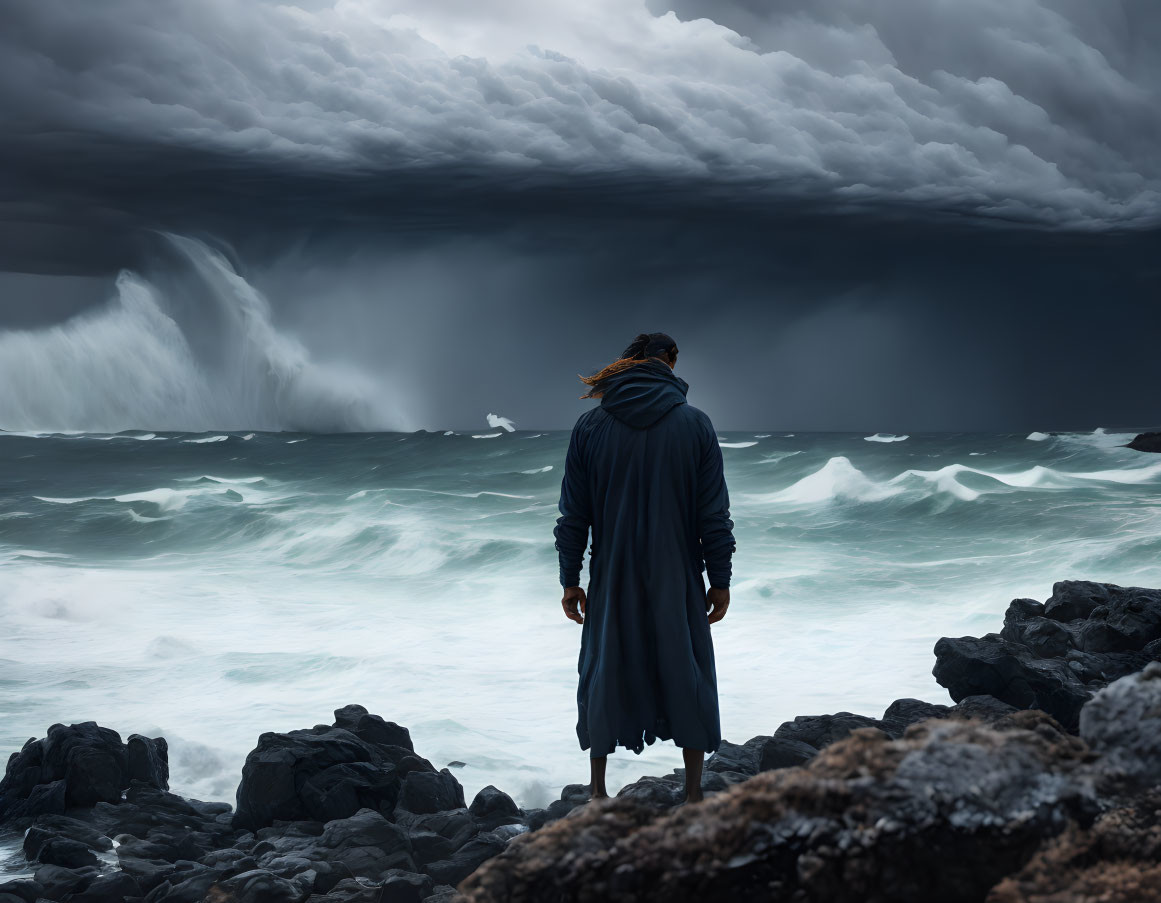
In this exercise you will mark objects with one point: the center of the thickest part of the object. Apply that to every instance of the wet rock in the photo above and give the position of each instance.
(819, 731)
(837, 829)
(1123, 724)
(1146, 442)
(368, 845)
(57, 881)
(258, 886)
(424, 792)
(113, 887)
(455, 826)
(372, 728)
(903, 713)
(982, 708)
(466, 859)
(492, 807)
(741, 758)
(1054, 656)
(71, 854)
(76, 766)
(148, 760)
(25, 889)
(783, 752)
(318, 774)
(656, 792)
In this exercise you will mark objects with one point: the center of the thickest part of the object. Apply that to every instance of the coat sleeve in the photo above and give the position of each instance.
(715, 528)
(572, 527)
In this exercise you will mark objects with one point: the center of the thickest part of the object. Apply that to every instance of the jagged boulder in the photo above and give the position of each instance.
(1054, 656)
(941, 814)
(1146, 442)
(77, 766)
(327, 772)
(1123, 724)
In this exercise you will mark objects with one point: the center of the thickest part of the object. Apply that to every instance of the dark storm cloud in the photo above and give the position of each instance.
(938, 216)
(1023, 110)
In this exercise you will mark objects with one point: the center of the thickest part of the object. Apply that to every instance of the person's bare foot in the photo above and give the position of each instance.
(598, 796)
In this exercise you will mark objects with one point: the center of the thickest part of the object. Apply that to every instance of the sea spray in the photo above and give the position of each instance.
(144, 361)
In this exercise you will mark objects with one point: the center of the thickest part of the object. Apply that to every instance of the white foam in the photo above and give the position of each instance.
(207, 439)
(736, 444)
(545, 469)
(761, 435)
(495, 420)
(885, 437)
(1038, 437)
(837, 479)
(486, 435)
(133, 363)
(449, 432)
(225, 480)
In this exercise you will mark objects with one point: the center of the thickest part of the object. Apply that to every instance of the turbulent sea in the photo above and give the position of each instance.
(210, 587)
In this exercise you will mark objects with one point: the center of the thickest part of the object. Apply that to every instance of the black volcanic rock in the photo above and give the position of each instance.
(1146, 442)
(148, 760)
(318, 774)
(1056, 655)
(424, 792)
(822, 730)
(492, 807)
(372, 728)
(77, 766)
(903, 713)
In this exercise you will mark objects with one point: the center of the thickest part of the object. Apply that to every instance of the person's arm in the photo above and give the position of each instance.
(572, 527)
(715, 528)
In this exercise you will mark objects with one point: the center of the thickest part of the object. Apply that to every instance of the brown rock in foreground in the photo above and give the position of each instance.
(1118, 860)
(942, 814)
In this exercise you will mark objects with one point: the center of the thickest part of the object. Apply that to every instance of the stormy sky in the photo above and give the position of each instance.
(915, 215)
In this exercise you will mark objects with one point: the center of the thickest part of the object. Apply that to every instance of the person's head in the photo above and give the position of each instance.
(645, 346)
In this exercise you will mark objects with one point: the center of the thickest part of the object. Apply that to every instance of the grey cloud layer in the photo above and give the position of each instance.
(1046, 112)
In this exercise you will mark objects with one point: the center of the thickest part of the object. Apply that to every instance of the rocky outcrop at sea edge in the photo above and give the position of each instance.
(1040, 783)
(1146, 442)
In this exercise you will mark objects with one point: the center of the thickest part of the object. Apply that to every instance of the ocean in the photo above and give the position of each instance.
(209, 587)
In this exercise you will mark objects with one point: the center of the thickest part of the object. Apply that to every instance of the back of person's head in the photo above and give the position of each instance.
(645, 346)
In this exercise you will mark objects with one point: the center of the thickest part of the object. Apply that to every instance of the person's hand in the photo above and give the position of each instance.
(716, 603)
(574, 596)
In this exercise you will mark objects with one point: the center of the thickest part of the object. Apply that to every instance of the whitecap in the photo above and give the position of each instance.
(837, 479)
(545, 469)
(226, 480)
(449, 432)
(294, 441)
(735, 444)
(249, 436)
(1038, 437)
(207, 439)
(495, 420)
(486, 435)
(884, 437)
(761, 435)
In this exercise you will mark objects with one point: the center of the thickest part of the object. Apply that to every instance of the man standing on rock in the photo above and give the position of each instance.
(644, 472)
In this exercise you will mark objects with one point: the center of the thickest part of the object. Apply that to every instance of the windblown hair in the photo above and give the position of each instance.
(630, 357)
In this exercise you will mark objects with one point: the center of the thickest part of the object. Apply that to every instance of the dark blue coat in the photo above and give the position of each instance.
(644, 472)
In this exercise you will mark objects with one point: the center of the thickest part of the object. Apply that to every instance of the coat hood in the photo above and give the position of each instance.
(643, 394)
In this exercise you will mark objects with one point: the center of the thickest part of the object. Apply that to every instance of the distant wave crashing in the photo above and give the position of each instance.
(137, 363)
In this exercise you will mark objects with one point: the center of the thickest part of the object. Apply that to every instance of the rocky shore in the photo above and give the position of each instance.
(1040, 783)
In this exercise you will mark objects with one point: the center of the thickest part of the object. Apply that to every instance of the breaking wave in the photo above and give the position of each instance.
(142, 363)
(839, 480)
